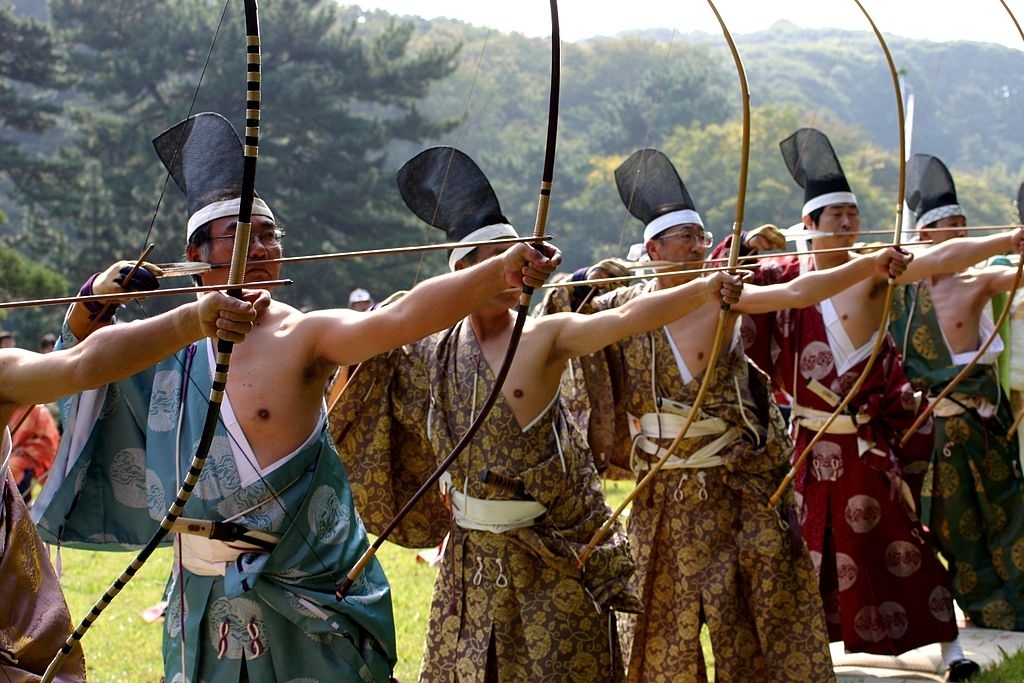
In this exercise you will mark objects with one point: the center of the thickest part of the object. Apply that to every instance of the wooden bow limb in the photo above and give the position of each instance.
(197, 267)
(999, 323)
(1015, 425)
(1020, 211)
(131, 296)
(723, 316)
(880, 334)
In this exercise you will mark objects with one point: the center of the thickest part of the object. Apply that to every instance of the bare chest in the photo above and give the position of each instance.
(274, 401)
(958, 310)
(693, 336)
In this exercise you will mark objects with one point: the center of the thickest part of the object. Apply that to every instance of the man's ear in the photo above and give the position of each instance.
(651, 246)
(192, 252)
(809, 223)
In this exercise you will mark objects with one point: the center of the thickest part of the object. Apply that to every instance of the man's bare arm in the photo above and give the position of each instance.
(579, 334)
(814, 286)
(960, 253)
(432, 305)
(117, 351)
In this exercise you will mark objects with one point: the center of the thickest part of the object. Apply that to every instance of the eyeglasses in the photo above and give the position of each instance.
(268, 238)
(691, 238)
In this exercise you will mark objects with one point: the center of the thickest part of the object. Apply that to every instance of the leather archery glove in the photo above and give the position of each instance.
(765, 237)
(117, 279)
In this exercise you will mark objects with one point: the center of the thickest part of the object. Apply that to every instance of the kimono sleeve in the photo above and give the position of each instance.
(379, 428)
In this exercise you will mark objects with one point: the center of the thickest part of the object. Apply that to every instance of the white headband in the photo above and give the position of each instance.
(661, 223)
(488, 232)
(938, 213)
(828, 199)
(228, 207)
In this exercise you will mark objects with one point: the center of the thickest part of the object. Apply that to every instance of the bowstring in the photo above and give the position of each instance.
(191, 109)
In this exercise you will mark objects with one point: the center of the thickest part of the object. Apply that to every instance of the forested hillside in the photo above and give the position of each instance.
(348, 96)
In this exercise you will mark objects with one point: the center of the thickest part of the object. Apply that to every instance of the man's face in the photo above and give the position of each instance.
(840, 221)
(945, 229)
(683, 244)
(264, 244)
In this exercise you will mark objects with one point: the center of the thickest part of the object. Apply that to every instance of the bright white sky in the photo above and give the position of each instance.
(939, 20)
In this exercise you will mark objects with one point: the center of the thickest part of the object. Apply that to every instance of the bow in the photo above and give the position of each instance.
(236, 277)
(723, 316)
(948, 389)
(522, 310)
(880, 334)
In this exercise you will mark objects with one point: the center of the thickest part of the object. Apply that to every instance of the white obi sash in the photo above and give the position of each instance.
(803, 417)
(207, 557)
(497, 516)
(646, 429)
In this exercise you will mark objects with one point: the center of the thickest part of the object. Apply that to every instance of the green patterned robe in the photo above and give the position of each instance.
(513, 603)
(276, 611)
(973, 501)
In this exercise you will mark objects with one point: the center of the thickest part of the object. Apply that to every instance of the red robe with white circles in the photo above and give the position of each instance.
(884, 589)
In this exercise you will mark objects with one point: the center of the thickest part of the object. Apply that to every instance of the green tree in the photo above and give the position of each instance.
(335, 93)
(21, 280)
(31, 71)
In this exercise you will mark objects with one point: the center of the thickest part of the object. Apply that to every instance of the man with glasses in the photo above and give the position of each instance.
(35, 621)
(257, 604)
(708, 549)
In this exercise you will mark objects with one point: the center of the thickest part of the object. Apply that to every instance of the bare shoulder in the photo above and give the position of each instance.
(552, 325)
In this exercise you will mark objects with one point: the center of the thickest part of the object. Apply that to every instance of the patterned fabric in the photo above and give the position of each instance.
(588, 394)
(509, 605)
(277, 610)
(35, 621)
(884, 589)
(973, 502)
(708, 549)
(380, 430)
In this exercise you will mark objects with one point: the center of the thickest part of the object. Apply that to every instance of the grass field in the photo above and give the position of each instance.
(121, 647)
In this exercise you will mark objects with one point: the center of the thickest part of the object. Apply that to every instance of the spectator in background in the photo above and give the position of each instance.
(360, 300)
(46, 343)
(34, 440)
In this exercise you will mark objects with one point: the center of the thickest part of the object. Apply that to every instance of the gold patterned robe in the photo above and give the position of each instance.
(511, 603)
(34, 619)
(708, 549)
